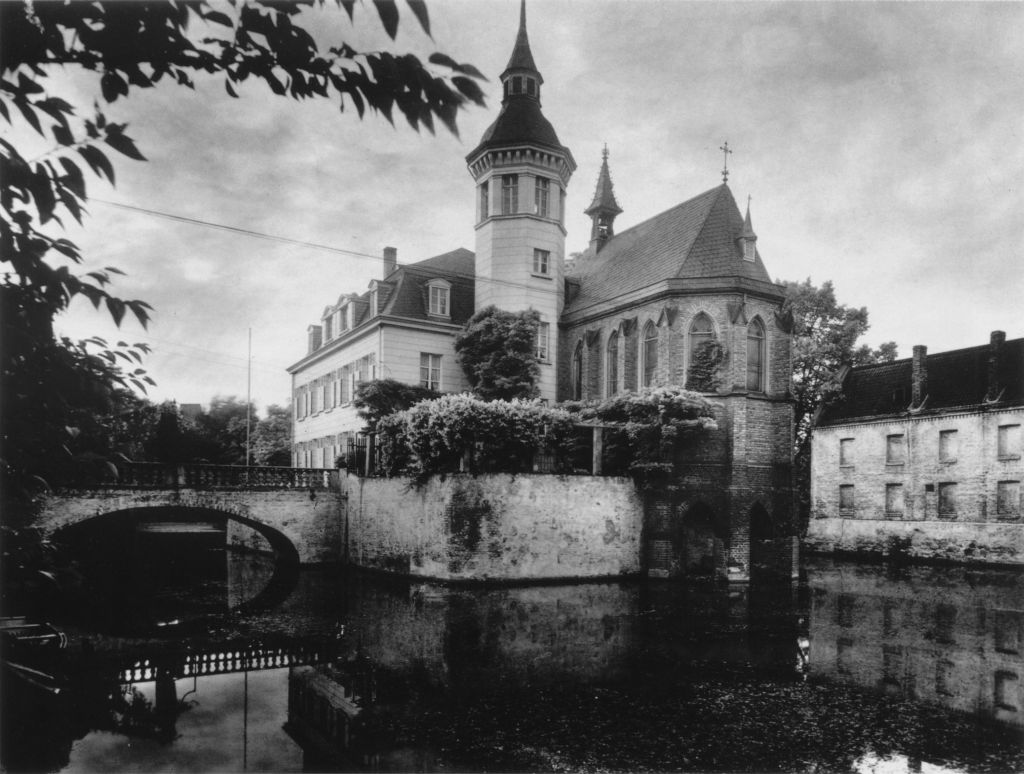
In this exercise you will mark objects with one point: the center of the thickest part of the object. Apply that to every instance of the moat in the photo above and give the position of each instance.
(221, 664)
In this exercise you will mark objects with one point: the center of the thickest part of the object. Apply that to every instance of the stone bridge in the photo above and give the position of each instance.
(298, 510)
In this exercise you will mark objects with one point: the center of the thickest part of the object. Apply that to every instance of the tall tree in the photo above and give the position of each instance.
(498, 353)
(130, 46)
(825, 335)
(272, 437)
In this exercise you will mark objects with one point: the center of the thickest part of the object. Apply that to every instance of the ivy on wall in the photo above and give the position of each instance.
(705, 362)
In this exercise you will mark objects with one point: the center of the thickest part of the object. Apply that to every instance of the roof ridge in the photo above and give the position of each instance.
(665, 212)
(704, 224)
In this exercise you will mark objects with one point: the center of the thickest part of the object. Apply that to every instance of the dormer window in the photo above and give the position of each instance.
(517, 84)
(439, 298)
(749, 250)
(531, 87)
(328, 328)
(373, 300)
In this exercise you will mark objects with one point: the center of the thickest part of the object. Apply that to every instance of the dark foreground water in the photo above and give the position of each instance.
(221, 665)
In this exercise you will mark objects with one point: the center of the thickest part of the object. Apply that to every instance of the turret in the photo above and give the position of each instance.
(603, 208)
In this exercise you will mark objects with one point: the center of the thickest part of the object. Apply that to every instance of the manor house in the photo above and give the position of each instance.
(681, 298)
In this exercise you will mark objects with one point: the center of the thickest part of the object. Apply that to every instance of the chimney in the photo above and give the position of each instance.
(919, 390)
(995, 353)
(390, 260)
(316, 338)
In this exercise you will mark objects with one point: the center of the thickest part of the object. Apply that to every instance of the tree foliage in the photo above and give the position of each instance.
(272, 437)
(379, 398)
(497, 352)
(825, 335)
(131, 46)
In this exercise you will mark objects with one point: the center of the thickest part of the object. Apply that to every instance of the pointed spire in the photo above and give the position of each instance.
(522, 57)
(748, 237)
(604, 207)
(748, 228)
(604, 193)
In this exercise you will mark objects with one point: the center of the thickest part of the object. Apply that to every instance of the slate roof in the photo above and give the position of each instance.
(695, 239)
(409, 295)
(956, 379)
(519, 122)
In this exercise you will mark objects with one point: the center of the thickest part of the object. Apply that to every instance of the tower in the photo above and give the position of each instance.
(603, 208)
(521, 172)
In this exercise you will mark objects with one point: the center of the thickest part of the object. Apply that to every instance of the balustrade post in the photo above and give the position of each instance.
(598, 449)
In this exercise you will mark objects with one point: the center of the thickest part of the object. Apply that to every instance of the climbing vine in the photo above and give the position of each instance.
(703, 374)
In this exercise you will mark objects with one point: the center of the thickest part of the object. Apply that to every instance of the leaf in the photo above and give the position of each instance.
(218, 18)
(97, 161)
(388, 12)
(112, 85)
(116, 307)
(230, 89)
(419, 8)
(29, 113)
(125, 145)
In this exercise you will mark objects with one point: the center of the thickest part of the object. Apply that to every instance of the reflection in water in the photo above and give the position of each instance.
(949, 636)
(351, 672)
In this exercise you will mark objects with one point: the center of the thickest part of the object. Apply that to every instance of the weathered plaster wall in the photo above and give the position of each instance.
(496, 527)
(310, 520)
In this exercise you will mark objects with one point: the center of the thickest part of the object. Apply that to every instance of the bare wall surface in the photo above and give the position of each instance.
(496, 526)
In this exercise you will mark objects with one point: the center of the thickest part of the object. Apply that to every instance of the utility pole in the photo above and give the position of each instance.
(248, 406)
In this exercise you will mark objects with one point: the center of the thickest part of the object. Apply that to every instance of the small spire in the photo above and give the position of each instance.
(522, 57)
(604, 194)
(748, 228)
(725, 164)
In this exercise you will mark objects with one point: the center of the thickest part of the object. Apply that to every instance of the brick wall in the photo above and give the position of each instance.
(951, 494)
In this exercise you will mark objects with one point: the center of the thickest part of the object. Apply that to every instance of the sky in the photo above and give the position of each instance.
(880, 145)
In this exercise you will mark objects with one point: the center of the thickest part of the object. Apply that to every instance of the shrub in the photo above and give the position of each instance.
(497, 352)
(453, 432)
(379, 398)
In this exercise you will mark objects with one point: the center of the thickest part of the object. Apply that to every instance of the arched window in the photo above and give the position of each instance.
(702, 331)
(612, 369)
(577, 372)
(649, 354)
(755, 356)
(594, 356)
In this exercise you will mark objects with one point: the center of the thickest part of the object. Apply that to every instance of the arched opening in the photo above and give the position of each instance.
(703, 540)
(649, 355)
(594, 358)
(701, 335)
(755, 356)
(167, 568)
(612, 367)
(577, 372)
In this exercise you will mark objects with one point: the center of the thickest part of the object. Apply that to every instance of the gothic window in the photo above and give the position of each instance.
(541, 195)
(594, 357)
(509, 194)
(702, 332)
(755, 356)
(612, 369)
(577, 372)
(649, 354)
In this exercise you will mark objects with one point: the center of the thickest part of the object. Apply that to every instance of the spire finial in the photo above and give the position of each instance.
(749, 197)
(725, 164)
(604, 153)
(522, 15)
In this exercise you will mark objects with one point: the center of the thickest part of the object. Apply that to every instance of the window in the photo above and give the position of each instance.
(439, 296)
(945, 623)
(543, 334)
(755, 356)
(944, 678)
(561, 205)
(430, 371)
(485, 193)
(894, 500)
(612, 369)
(702, 332)
(517, 84)
(328, 328)
(947, 445)
(577, 372)
(895, 449)
(892, 664)
(844, 610)
(531, 87)
(1009, 442)
(846, 497)
(540, 196)
(749, 250)
(1008, 498)
(509, 194)
(373, 302)
(845, 451)
(947, 500)
(1006, 691)
(541, 261)
(844, 655)
(1008, 627)
(650, 354)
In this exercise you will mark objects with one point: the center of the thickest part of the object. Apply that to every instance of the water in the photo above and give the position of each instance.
(857, 668)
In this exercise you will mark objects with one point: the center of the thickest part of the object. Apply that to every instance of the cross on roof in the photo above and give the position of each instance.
(725, 164)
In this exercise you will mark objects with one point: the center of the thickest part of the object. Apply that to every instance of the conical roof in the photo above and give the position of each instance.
(522, 57)
(604, 194)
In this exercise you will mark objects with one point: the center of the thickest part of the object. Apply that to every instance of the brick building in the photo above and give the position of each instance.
(681, 298)
(924, 456)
